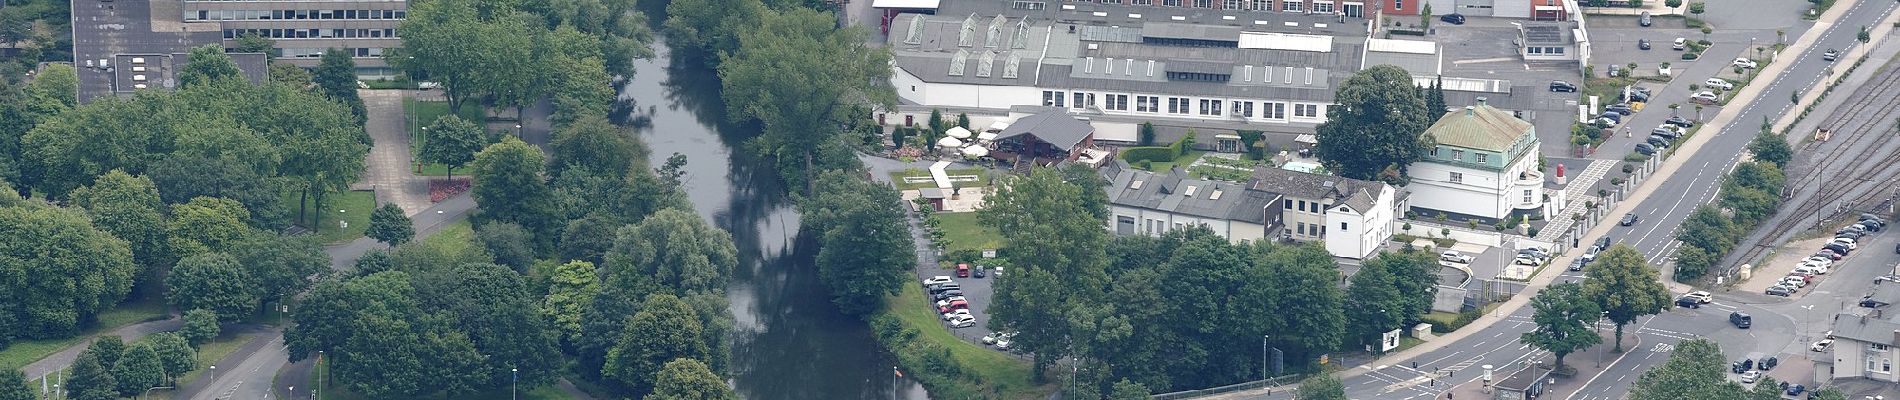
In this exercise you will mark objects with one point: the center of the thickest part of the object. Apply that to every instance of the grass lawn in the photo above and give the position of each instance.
(965, 232)
(214, 350)
(898, 178)
(1184, 160)
(26, 352)
(425, 113)
(456, 237)
(997, 370)
(355, 207)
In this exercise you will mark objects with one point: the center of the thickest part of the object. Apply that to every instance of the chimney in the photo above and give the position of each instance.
(1481, 100)
(1469, 110)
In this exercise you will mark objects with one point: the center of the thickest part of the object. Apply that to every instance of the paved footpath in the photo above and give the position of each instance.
(64, 358)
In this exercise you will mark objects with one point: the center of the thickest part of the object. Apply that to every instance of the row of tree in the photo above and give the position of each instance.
(1619, 286)
(567, 51)
(1167, 313)
(1750, 194)
(110, 369)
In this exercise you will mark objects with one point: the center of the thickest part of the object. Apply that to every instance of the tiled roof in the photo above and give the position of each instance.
(1479, 127)
(1358, 194)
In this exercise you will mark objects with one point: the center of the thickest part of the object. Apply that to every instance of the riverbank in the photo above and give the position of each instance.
(948, 367)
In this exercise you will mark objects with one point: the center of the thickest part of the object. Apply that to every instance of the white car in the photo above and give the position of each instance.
(1819, 260)
(1793, 281)
(1002, 344)
(937, 279)
(1705, 97)
(1744, 63)
(964, 321)
(1525, 260)
(1805, 270)
(1719, 83)
(953, 315)
(1700, 296)
(1751, 376)
(989, 339)
(1453, 256)
(1819, 269)
(1850, 243)
(1821, 345)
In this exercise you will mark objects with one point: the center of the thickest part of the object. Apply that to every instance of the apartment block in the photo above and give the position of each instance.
(303, 30)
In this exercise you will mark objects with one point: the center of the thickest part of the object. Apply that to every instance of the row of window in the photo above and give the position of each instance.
(1247, 5)
(317, 52)
(1305, 229)
(248, 15)
(1305, 206)
(1459, 155)
(312, 33)
(1555, 51)
(1179, 105)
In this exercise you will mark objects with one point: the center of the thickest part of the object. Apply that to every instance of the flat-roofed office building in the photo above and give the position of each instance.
(303, 30)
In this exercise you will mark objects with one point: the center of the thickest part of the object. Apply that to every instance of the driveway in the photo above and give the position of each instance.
(388, 169)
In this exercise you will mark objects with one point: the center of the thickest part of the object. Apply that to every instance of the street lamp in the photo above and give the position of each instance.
(214, 373)
(513, 376)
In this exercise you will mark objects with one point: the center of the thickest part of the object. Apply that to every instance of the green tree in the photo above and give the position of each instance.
(139, 369)
(1708, 229)
(579, 86)
(108, 348)
(201, 326)
(1771, 147)
(280, 265)
(712, 26)
(212, 281)
(206, 224)
(451, 141)
(589, 238)
(570, 288)
(128, 207)
(1051, 232)
(1126, 390)
(1692, 262)
(664, 329)
(253, 43)
(1311, 316)
(672, 249)
(91, 380)
(441, 39)
(207, 64)
(1425, 16)
(335, 76)
(1766, 389)
(1374, 304)
(174, 353)
(13, 386)
(1321, 387)
(291, 75)
(1374, 132)
(182, 178)
(388, 224)
(509, 184)
(594, 144)
(1435, 99)
(1863, 36)
(1697, 8)
(491, 304)
(1145, 134)
(1828, 394)
(1694, 370)
(866, 252)
(510, 244)
(65, 270)
(688, 379)
(1625, 286)
(1415, 275)
(1672, 4)
(1564, 318)
(800, 76)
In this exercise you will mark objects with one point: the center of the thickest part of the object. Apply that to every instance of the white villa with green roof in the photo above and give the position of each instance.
(1485, 165)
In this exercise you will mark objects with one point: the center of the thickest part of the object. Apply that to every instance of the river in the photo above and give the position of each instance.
(789, 342)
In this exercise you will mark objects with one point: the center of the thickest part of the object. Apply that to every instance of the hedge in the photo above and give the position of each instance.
(1135, 155)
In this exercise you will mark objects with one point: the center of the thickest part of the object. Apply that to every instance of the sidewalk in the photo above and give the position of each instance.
(64, 358)
(387, 170)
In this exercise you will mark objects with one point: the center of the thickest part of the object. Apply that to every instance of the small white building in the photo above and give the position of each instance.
(1352, 217)
(1485, 165)
(1864, 340)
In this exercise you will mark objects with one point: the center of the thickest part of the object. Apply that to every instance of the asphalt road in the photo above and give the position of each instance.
(1774, 331)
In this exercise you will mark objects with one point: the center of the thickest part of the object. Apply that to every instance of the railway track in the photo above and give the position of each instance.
(1857, 170)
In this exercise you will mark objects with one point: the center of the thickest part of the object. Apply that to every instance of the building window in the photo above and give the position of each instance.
(1306, 110)
(1273, 110)
(1178, 105)
(1290, 6)
(1171, 3)
(1458, 154)
(1481, 157)
(1457, 178)
(1527, 196)
(1398, 4)
(1322, 7)
(1288, 203)
(1342, 226)
(1143, 2)
(1243, 109)
(1261, 5)
(1878, 346)
(1147, 104)
(1210, 107)
(1052, 98)
(1083, 100)
(1204, 3)
(1302, 231)
(1117, 102)
(1231, 4)
(1886, 365)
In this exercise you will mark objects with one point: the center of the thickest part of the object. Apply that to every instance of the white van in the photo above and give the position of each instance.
(1680, 44)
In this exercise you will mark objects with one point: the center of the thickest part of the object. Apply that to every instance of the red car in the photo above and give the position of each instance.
(963, 270)
(954, 305)
(1830, 254)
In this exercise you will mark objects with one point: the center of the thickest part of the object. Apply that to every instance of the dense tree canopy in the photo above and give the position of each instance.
(1321, 387)
(389, 224)
(207, 64)
(800, 76)
(510, 185)
(451, 141)
(65, 271)
(1374, 129)
(596, 145)
(673, 251)
(212, 281)
(1058, 250)
(688, 379)
(201, 326)
(666, 328)
(13, 386)
(1694, 371)
(206, 224)
(1564, 317)
(866, 251)
(335, 76)
(129, 208)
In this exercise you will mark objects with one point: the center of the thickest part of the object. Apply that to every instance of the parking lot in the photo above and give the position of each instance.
(977, 292)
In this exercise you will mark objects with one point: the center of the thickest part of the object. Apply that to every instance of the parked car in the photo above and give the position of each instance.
(963, 270)
(1642, 44)
(1768, 363)
(1680, 121)
(937, 280)
(1793, 281)
(1658, 141)
(1719, 83)
(1751, 376)
(1687, 302)
(1818, 260)
(1680, 44)
(963, 322)
(1779, 290)
(1561, 86)
(1700, 296)
(1741, 366)
(978, 273)
(1831, 55)
(1613, 116)
(1837, 248)
(1643, 19)
(957, 313)
(1806, 271)
(1850, 243)
(946, 302)
(1628, 220)
(1821, 345)
(1705, 97)
(990, 338)
(940, 288)
(1645, 149)
(1620, 108)
(1744, 63)
(1666, 133)
(949, 294)
(1743, 321)
(1453, 256)
(1578, 263)
(954, 305)
(1525, 260)
(1797, 390)
(1830, 253)
(1849, 235)
(1454, 19)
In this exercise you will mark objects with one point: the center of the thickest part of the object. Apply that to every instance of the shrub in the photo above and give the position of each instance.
(1627, 168)
(1148, 154)
(1688, 56)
